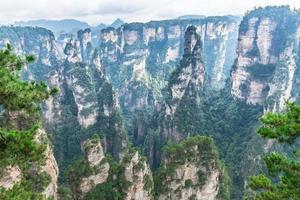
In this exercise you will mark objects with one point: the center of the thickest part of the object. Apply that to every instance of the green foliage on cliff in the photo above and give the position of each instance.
(114, 187)
(19, 148)
(231, 123)
(68, 133)
(75, 173)
(19, 102)
(17, 94)
(284, 127)
(284, 182)
(199, 151)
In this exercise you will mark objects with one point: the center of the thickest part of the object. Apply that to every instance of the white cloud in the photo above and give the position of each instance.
(96, 11)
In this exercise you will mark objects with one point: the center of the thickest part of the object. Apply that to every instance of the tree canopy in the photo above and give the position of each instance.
(283, 181)
(19, 105)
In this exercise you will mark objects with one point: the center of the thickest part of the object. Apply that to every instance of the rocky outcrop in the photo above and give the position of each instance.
(129, 177)
(50, 166)
(94, 155)
(155, 48)
(85, 39)
(267, 57)
(10, 176)
(138, 173)
(191, 170)
(86, 100)
(140, 58)
(188, 78)
(41, 43)
(184, 89)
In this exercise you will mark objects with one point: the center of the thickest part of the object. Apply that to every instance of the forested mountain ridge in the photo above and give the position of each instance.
(140, 57)
(134, 100)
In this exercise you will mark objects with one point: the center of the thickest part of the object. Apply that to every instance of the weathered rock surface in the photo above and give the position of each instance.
(50, 166)
(185, 84)
(191, 170)
(10, 176)
(265, 71)
(138, 173)
(13, 174)
(94, 155)
(140, 57)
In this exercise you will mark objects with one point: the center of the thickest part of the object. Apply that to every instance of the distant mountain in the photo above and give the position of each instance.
(57, 26)
(191, 17)
(117, 23)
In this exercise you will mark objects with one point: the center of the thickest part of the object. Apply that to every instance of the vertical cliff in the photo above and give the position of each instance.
(139, 59)
(89, 102)
(150, 52)
(34, 178)
(28, 168)
(41, 43)
(184, 90)
(192, 170)
(98, 175)
(191, 108)
(267, 57)
(188, 78)
(86, 102)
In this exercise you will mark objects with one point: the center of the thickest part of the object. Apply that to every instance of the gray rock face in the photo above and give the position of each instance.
(190, 75)
(139, 58)
(13, 175)
(138, 173)
(10, 176)
(50, 166)
(265, 71)
(185, 174)
(97, 104)
(186, 82)
(183, 96)
(86, 100)
(135, 172)
(85, 39)
(94, 155)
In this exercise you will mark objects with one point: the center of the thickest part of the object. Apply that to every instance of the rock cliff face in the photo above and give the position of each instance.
(188, 78)
(50, 166)
(11, 176)
(151, 51)
(129, 178)
(138, 173)
(139, 59)
(94, 155)
(191, 170)
(265, 71)
(86, 102)
(186, 84)
(41, 43)
(88, 98)
(169, 62)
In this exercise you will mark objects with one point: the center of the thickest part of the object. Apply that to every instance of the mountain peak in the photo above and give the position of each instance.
(191, 17)
(192, 41)
(117, 23)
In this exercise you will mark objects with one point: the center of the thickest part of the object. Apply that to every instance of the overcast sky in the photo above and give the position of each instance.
(97, 11)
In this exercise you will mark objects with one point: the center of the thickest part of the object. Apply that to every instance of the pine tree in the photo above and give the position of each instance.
(283, 182)
(19, 119)
(20, 99)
